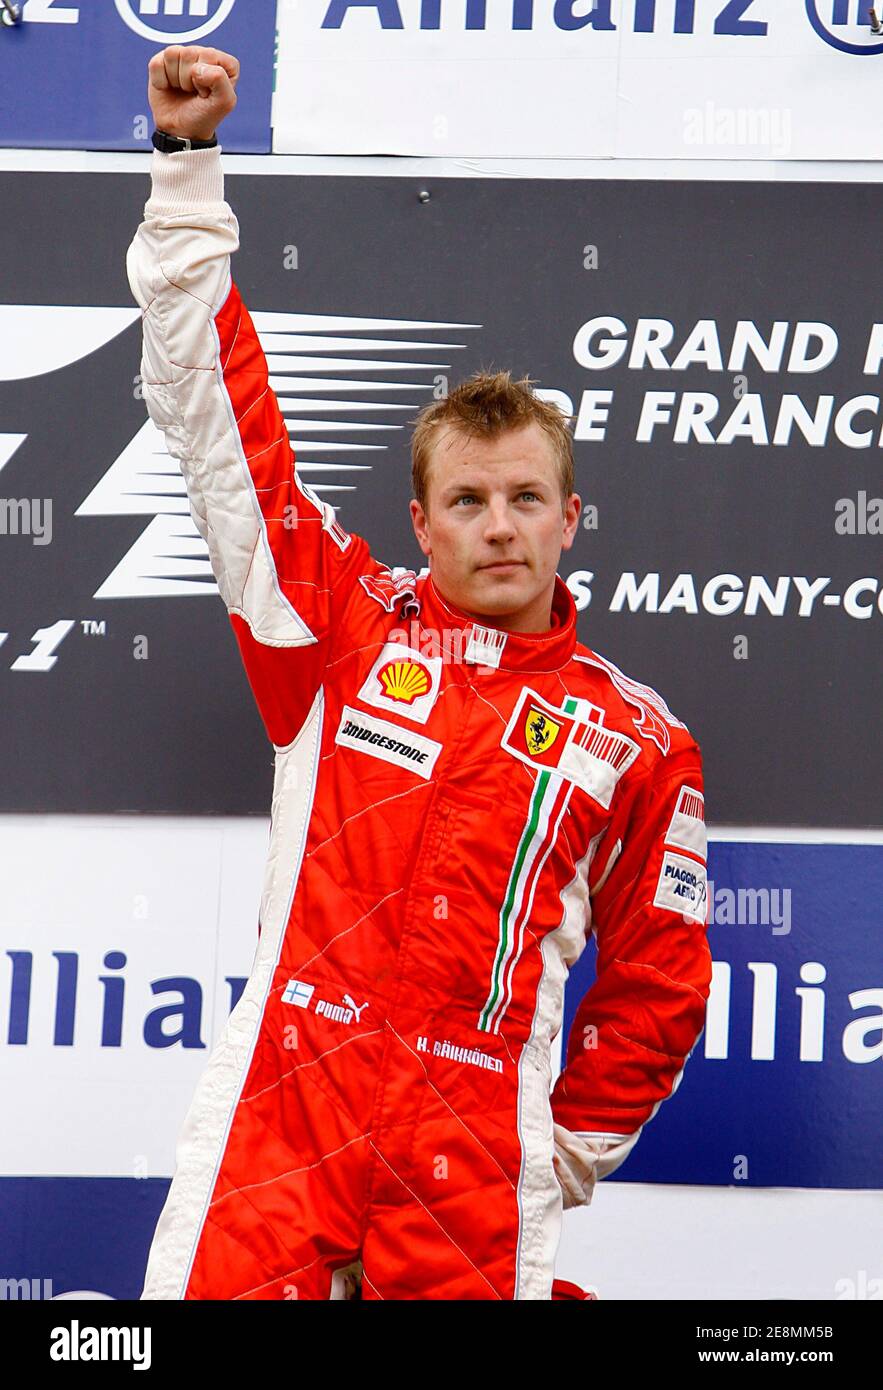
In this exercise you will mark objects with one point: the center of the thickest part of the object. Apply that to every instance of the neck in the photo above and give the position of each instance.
(534, 617)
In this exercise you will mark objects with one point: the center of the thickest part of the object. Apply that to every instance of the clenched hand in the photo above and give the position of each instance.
(191, 89)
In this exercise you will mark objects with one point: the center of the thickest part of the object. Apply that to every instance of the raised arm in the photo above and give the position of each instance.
(284, 567)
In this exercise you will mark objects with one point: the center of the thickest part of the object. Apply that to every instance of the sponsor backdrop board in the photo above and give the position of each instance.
(656, 79)
(74, 76)
(127, 941)
(728, 428)
(89, 1238)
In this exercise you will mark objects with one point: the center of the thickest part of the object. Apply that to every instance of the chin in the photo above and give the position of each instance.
(500, 597)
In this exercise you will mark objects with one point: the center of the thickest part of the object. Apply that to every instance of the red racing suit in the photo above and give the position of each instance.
(455, 808)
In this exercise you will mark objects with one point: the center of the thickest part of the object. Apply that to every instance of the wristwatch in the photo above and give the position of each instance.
(171, 144)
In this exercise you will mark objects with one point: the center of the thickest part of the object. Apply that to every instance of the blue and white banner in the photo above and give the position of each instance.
(783, 1087)
(127, 941)
(570, 79)
(74, 76)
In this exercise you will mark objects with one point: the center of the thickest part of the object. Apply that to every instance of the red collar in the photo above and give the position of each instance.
(518, 651)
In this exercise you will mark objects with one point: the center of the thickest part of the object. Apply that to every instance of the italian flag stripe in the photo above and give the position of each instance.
(533, 849)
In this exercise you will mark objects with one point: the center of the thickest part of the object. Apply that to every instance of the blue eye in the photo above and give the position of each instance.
(471, 497)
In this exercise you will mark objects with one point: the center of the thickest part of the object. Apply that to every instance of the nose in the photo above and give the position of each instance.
(498, 525)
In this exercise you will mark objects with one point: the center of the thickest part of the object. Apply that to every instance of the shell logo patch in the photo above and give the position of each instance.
(540, 732)
(404, 680)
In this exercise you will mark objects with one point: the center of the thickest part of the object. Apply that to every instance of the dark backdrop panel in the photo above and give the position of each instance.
(790, 735)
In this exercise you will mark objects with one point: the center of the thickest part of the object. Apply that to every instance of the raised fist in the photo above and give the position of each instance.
(191, 89)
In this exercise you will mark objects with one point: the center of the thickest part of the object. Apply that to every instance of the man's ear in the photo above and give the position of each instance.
(572, 511)
(421, 526)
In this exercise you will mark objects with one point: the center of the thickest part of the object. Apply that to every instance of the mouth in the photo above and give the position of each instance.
(502, 566)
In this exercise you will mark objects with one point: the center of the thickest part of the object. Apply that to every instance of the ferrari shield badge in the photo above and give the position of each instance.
(540, 731)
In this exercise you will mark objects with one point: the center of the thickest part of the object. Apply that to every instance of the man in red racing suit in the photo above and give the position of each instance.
(444, 835)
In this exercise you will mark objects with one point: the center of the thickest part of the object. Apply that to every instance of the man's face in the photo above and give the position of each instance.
(494, 525)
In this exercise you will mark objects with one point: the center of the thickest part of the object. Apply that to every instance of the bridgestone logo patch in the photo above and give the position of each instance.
(388, 741)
